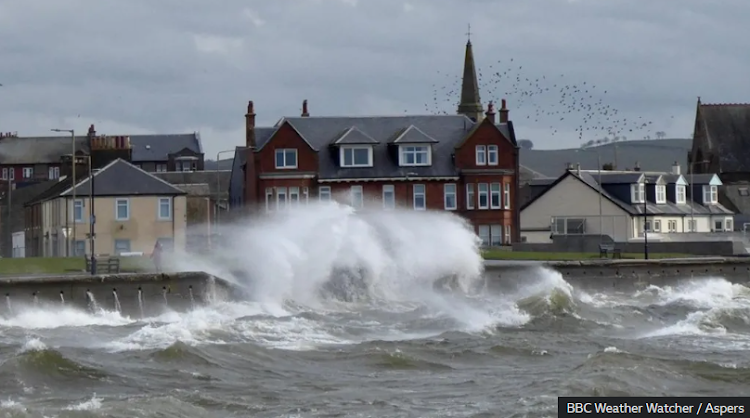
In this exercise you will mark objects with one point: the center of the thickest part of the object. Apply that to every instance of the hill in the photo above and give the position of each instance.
(651, 155)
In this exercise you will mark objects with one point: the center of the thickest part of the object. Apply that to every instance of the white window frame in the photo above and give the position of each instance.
(159, 206)
(638, 192)
(117, 209)
(53, 173)
(493, 156)
(281, 204)
(680, 196)
(481, 155)
(389, 203)
(470, 196)
(415, 150)
(357, 196)
(496, 235)
(270, 204)
(449, 191)
(28, 172)
(506, 195)
(76, 204)
(419, 190)
(483, 231)
(284, 153)
(672, 226)
(293, 195)
(496, 196)
(324, 193)
(661, 193)
(729, 224)
(710, 194)
(483, 190)
(657, 225)
(5, 173)
(352, 149)
(720, 222)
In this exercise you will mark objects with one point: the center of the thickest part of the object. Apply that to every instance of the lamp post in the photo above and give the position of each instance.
(218, 182)
(645, 222)
(73, 176)
(692, 191)
(599, 181)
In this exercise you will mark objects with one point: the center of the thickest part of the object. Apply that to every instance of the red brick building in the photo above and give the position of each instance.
(467, 163)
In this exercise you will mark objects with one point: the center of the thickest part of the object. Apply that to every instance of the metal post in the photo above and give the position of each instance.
(10, 207)
(692, 219)
(599, 180)
(645, 221)
(218, 184)
(92, 219)
(72, 238)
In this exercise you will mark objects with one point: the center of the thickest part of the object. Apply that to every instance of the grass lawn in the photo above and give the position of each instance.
(52, 265)
(545, 256)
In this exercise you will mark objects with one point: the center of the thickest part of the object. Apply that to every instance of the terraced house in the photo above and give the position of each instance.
(466, 163)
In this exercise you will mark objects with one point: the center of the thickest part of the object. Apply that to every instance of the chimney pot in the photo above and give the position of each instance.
(490, 114)
(503, 112)
(305, 113)
(250, 108)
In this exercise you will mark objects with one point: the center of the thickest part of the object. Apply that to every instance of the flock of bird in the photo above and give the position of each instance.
(549, 101)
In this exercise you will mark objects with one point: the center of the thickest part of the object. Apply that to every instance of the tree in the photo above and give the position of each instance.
(525, 144)
(608, 166)
(661, 135)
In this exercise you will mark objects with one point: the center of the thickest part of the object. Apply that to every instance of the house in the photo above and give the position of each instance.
(613, 203)
(466, 163)
(133, 209)
(721, 138)
(25, 160)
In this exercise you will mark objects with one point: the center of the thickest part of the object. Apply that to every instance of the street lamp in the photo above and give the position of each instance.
(73, 176)
(692, 171)
(218, 182)
(645, 221)
(599, 180)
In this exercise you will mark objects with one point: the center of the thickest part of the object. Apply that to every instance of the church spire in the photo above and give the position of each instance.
(470, 104)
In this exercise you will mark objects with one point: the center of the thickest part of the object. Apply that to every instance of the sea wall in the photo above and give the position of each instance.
(624, 273)
(138, 294)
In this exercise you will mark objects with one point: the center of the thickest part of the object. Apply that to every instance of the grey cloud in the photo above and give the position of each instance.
(136, 63)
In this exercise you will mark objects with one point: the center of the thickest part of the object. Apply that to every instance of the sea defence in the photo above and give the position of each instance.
(625, 273)
(135, 295)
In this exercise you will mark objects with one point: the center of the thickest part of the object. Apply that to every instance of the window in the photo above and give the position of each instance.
(165, 208)
(568, 226)
(729, 224)
(420, 201)
(5, 174)
(12, 173)
(356, 156)
(449, 196)
(389, 197)
(481, 155)
(186, 165)
(692, 225)
(356, 196)
(661, 193)
(161, 168)
(470, 196)
(492, 155)
(484, 234)
(122, 246)
(718, 225)
(495, 196)
(506, 195)
(637, 193)
(710, 194)
(647, 226)
(28, 172)
(508, 239)
(496, 235)
(743, 191)
(269, 199)
(415, 155)
(324, 193)
(483, 196)
(122, 209)
(286, 158)
(80, 248)
(54, 173)
(657, 225)
(680, 194)
(281, 202)
(672, 226)
(78, 210)
(294, 196)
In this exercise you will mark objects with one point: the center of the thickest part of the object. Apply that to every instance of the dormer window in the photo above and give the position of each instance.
(415, 155)
(637, 193)
(661, 194)
(356, 156)
(710, 194)
(680, 197)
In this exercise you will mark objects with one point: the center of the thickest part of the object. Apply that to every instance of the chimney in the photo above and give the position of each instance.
(92, 131)
(637, 166)
(675, 168)
(490, 112)
(250, 125)
(568, 166)
(578, 169)
(503, 112)
(305, 113)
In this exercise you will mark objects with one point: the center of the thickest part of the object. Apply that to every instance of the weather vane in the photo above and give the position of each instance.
(468, 34)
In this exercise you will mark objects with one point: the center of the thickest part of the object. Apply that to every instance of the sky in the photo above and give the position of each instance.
(175, 66)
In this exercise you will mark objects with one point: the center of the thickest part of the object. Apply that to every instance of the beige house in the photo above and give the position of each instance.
(132, 210)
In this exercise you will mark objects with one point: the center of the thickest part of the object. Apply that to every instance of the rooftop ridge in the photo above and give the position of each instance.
(725, 104)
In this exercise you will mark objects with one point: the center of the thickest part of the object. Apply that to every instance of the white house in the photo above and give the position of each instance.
(613, 203)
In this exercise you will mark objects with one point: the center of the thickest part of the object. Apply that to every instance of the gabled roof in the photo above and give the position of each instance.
(727, 130)
(413, 135)
(654, 179)
(157, 147)
(621, 178)
(118, 178)
(285, 122)
(353, 136)
(708, 179)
